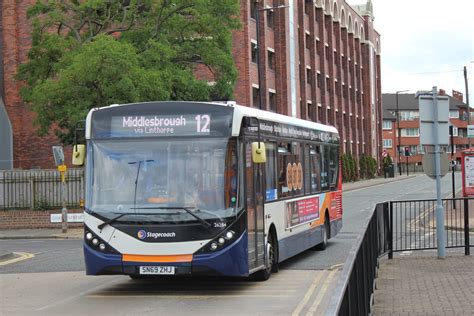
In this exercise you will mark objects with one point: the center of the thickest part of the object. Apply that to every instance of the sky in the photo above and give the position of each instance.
(425, 43)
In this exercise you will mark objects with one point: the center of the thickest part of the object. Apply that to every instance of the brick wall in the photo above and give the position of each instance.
(32, 219)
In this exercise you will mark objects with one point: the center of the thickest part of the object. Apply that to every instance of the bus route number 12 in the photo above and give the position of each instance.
(202, 123)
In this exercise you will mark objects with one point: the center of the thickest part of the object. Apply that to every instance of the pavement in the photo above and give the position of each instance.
(406, 285)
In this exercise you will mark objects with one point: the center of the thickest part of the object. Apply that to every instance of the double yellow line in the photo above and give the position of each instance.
(319, 297)
(20, 256)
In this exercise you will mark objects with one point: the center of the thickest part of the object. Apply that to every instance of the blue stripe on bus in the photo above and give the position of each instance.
(230, 261)
(97, 261)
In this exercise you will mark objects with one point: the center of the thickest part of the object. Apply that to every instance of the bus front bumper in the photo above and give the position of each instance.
(230, 261)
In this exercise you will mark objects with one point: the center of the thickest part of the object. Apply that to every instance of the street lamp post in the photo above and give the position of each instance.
(261, 94)
(398, 151)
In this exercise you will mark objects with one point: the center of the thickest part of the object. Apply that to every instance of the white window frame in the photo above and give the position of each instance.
(385, 122)
(454, 114)
(415, 130)
(387, 143)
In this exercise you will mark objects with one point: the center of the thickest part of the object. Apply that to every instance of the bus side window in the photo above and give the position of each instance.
(315, 160)
(283, 155)
(324, 167)
(307, 169)
(333, 166)
(270, 173)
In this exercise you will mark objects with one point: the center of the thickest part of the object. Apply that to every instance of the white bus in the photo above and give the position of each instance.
(195, 188)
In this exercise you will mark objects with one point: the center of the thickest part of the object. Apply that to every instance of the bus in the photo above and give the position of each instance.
(205, 188)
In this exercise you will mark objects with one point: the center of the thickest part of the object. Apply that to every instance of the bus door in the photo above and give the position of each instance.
(254, 174)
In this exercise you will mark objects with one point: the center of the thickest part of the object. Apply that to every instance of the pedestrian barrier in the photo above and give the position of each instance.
(39, 189)
(413, 224)
(394, 227)
(354, 292)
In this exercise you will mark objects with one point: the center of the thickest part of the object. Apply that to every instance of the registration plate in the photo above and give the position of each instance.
(159, 270)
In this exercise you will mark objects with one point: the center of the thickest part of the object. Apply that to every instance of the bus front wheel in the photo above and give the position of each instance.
(265, 273)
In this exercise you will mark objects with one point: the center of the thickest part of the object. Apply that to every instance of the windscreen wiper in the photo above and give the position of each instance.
(114, 219)
(186, 209)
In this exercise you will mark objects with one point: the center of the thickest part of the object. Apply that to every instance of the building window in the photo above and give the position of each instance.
(454, 114)
(455, 131)
(271, 60)
(409, 115)
(272, 101)
(319, 82)
(308, 40)
(254, 52)
(387, 143)
(336, 59)
(326, 49)
(410, 132)
(253, 9)
(271, 19)
(386, 124)
(255, 97)
(308, 76)
(307, 6)
(327, 83)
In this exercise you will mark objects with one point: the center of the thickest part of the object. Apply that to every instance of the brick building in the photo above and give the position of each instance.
(408, 108)
(319, 60)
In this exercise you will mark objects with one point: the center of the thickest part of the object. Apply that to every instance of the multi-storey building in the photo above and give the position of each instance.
(317, 59)
(409, 121)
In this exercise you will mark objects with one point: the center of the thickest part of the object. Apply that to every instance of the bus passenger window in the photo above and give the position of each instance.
(315, 160)
(333, 166)
(324, 168)
(270, 173)
(283, 161)
(290, 170)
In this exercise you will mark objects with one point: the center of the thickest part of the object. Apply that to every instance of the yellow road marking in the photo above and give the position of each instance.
(321, 292)
(310, 291)
(22, 256)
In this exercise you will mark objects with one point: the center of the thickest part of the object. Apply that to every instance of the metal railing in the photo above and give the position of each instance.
(39, 189)
(396, 226)
(413, 224)
(354, 292)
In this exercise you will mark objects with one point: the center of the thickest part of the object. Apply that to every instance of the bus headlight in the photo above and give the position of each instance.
(229, 235)
(221, 240)
(97, 243)
(213, 246)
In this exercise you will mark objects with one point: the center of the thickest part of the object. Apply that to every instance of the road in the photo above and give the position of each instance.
(302, 286)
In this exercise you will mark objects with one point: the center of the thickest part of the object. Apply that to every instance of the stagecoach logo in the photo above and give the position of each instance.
(143, 234)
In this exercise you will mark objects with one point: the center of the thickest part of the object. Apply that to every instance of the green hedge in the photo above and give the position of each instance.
(368, 167)
(349, 168)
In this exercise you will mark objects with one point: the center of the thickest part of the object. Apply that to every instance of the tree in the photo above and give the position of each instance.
(94, 53)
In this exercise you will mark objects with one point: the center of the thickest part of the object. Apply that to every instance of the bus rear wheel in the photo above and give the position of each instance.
(265, 274)
(326, 234)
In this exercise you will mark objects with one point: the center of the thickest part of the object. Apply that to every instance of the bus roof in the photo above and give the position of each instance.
(240, 112)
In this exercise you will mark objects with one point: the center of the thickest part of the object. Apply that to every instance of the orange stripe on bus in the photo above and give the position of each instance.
(146, 258)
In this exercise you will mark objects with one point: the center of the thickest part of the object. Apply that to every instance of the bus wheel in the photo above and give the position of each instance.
(325, 233)
(265, 274)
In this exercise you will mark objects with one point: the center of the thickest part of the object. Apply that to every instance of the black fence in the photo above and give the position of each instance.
(354, 292)
(39, 189)
(393, 227)
(413, 224)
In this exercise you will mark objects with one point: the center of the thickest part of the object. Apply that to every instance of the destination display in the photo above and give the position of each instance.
(162, 119)
(161, 125)
(284, 130)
